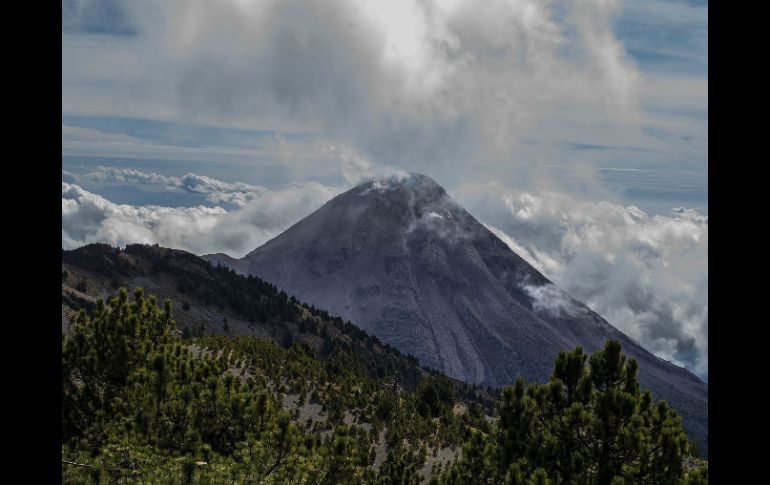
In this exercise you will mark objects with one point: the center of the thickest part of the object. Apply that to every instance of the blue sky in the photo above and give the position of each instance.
(576, 130)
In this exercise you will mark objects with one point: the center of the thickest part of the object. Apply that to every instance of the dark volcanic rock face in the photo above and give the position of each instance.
(402, 260)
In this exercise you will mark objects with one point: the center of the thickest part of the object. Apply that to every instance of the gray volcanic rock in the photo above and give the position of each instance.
(403, 261)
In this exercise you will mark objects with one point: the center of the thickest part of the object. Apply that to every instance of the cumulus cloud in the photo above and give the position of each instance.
(130, 176)
(647, 275)
(408, 83)
(216, 191)
(260, 215)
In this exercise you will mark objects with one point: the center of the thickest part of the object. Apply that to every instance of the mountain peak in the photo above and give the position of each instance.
(399, 183)
(401, 259)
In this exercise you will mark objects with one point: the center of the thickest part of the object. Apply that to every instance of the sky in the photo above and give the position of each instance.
(577, 131)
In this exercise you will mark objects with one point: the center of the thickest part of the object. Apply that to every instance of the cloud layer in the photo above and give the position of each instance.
(424, 86)
(647, 275)
(259, 213)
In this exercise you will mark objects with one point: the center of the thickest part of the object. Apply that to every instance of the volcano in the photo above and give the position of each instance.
(403, 261)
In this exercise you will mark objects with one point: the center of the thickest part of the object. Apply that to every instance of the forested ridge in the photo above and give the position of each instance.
(242, 305)
(316, 400)
(141, 404)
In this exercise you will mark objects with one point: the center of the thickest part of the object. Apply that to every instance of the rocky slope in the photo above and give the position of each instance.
(402, 260)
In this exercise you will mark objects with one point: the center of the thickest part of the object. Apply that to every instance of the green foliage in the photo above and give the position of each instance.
(140, 405)
(400, 468)
(135, 402)
(590, 424)
(252, 300)
(434, 395)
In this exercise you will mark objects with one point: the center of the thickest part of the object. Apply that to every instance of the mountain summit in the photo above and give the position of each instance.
(403, 261)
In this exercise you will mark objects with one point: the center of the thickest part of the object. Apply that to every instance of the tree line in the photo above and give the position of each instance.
(142, 405)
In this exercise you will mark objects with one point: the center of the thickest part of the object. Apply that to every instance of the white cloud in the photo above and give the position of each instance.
(550, 299)
(261, 214)
(130, 176)
(355, 167)
(409, 83)
(216, 191)
(647, 275)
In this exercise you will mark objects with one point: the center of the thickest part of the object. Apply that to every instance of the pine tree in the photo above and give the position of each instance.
(138, 406)
(590, 424)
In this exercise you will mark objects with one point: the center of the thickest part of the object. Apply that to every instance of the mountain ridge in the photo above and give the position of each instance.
(405, 262)
(210, 300)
